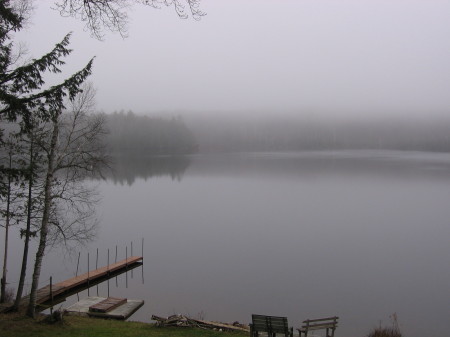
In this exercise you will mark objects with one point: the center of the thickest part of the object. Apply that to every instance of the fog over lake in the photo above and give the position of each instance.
(253, 196)
(357, 234)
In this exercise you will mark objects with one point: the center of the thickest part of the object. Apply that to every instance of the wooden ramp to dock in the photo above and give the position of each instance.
(60, 291)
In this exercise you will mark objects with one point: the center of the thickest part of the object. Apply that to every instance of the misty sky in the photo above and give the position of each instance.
(345, 57)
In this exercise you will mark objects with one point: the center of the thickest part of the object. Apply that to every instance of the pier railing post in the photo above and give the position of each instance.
(126, 267)
(51, 295)
(115, 261)
(131, 254)
(142, 255)
(76, 273)
(96, 267)
(88, 275)
(108, 272)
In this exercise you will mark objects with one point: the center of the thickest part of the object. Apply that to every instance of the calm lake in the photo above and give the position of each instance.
(357, 234)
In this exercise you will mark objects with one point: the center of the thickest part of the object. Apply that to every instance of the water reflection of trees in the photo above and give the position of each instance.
(127, 168)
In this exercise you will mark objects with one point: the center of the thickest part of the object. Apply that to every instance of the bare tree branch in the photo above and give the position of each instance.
(112, 14)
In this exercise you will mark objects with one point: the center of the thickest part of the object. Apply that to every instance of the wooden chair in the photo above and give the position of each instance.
(271, 325)
(328, 323)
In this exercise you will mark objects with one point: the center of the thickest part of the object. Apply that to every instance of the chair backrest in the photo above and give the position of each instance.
(270, 324)
(320, 323)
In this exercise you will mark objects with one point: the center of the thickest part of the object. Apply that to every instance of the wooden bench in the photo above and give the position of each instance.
(328, 323)
(272, 325)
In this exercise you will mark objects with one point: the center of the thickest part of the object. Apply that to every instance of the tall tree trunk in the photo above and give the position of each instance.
(23, 270)
(5, 256)
(45, 219)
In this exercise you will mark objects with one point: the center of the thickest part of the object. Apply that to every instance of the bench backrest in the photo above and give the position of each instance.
(270, 324)
(320, 323)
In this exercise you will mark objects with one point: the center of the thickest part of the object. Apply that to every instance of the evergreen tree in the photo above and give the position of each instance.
(22, 89)
(24, 98)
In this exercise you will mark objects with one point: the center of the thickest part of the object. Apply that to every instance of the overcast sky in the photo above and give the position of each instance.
(345, 57)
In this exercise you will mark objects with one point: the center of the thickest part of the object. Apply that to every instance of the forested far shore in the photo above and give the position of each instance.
(133, 134)
(221, 133)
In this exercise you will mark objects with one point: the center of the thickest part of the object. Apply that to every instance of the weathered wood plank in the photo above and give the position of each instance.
(91, 275)
(335, 318)
(107, 304)
(319, 326)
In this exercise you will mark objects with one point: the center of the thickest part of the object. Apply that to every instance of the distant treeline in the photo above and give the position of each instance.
(235, 134)
(133, 134)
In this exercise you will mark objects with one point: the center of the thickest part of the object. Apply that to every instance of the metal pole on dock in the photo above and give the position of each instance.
(76, 273)
(142, 255)
(96, 267)
(115, 261)
(108, 272)
(51, 295)
(131, 255)
(126, 267)
(88, 275)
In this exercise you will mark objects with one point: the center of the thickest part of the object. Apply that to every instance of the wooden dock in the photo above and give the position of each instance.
(57, 293)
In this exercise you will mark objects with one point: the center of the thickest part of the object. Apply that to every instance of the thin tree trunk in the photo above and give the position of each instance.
(23, 270)
(45, 219)
(5, 256)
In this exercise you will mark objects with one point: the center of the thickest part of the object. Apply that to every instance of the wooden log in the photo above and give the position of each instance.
(183, 321)
(158, 318)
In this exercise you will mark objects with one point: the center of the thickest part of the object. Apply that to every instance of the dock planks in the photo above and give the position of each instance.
(107, 304)
(95, 274)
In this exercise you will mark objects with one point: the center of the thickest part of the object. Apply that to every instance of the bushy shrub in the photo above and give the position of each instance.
(9, 295)
(393, 331)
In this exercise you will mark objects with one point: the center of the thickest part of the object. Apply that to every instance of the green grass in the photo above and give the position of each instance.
(19, 326)
(385, 332)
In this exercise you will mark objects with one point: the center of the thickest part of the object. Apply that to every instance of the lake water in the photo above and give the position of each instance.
(357, 234)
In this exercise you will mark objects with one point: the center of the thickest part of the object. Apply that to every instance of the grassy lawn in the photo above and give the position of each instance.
(19, 326)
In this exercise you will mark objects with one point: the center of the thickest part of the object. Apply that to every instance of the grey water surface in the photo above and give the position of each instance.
(357, 234)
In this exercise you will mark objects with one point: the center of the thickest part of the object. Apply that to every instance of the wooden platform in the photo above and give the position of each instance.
(60, 291)
(122, 312)
(107, 304)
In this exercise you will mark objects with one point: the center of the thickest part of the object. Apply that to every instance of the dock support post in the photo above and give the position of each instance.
(88, 275)
(142, 254)
(126, 267)
(51, 295)
(108, 272)
(76, 273)
(131, 254)
(96, 267)
(115, 261)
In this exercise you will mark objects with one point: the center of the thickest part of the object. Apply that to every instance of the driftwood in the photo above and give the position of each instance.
(184, 321)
